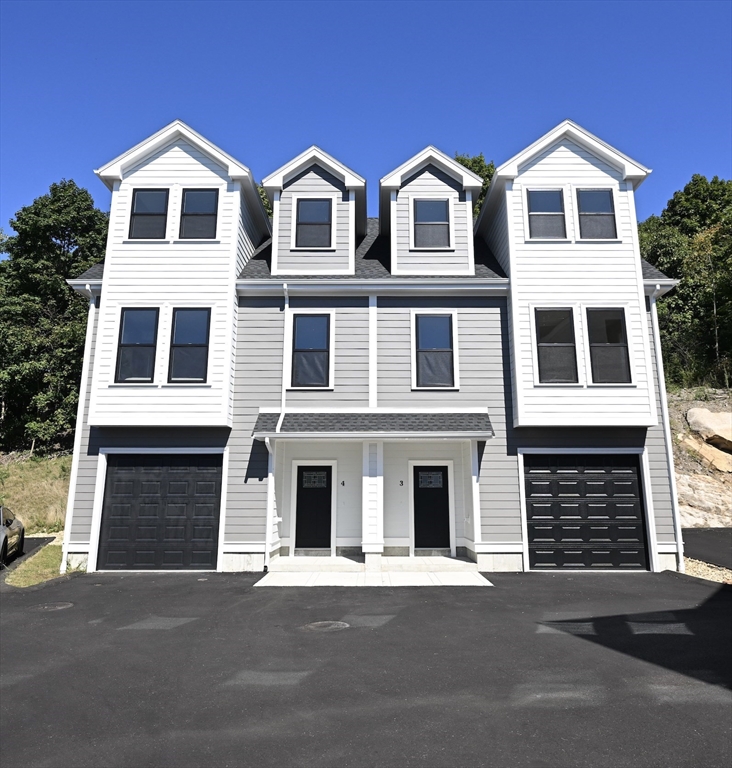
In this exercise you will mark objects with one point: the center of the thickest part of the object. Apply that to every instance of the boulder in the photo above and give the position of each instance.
(704, 501)
(715, 428)
(712, 456)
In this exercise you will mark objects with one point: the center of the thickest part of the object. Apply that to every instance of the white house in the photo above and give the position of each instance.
(414, 384)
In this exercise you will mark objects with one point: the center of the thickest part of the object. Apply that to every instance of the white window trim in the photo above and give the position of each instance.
(333, 498)
(613, 189)
(99, 488)
(645, 476)
(290, 312)
(565, 189)
(451, 198)
(450, 493)
(455, 352)
(295, 197)
(588, 359)
(578, 343)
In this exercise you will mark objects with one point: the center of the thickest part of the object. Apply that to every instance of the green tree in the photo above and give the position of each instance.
(692, 241)
(477, 164)
(265, 200)
(42, 321)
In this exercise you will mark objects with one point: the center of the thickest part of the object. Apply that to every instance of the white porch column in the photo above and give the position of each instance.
(475, 488)
(372, 502)
(272, 529)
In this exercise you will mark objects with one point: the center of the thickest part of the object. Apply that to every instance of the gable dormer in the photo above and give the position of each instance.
(319, 212)
(426, 209)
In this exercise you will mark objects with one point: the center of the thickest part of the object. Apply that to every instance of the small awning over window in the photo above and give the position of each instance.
(440, 426)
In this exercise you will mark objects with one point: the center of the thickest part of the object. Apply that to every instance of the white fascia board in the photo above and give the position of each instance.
(373, 436)
(631, 170)
(88, 288)
(478, 287)
(432, 156)
(277, 179)
(659, 287)
(114, 170)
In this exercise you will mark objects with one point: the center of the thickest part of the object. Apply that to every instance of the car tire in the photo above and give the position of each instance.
(21, 545)
(3, 557)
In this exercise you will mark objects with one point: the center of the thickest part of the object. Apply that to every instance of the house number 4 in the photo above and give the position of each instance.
(343, 482)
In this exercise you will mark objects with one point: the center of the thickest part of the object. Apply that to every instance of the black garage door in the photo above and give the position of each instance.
(161, 512)
(585, 511)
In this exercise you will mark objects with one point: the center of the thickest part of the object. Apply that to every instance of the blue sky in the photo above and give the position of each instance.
(370, 82)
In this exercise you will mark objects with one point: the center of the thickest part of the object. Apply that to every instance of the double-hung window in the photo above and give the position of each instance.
(149, 217)
(137, 340)
(314, 223)
(608, 346)
(311, 351)
(198, 214)
(431, 224)
(557, 354)
(596, 214)
(189, 345)
(546, 214)
(434, 354)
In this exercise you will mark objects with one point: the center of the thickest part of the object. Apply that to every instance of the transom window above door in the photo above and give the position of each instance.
(314, 223)
(149, 217)
(199, 213)
(431, 224)
(434, 351)
(311, 350)
(546, 214)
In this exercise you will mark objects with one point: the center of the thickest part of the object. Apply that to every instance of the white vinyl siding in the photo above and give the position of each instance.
(316, 181)
(166, 275)
(579, 274)
(433, 184)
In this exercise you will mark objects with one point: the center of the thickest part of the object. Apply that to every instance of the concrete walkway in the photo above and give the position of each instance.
(393, 572)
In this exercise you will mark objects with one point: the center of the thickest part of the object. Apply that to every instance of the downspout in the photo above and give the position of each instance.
(667, 429)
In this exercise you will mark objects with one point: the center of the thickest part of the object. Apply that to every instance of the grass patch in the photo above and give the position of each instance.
(42, 566)
(36, 489)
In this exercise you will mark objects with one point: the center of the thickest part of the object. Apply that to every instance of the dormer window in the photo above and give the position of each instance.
(596, 214)
(546, 214)
(431, 224)
(314, 223)
(198, 214)
(149, 214)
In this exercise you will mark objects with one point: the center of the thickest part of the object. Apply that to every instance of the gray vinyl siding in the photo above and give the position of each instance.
(431, 180)
(313, 181)
(351, 350)
(258, 383)
(87, 472)
(658, 461)
(479, 352)
(497, 235)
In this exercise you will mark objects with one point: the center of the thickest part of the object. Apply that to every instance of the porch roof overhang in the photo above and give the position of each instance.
(373, 426)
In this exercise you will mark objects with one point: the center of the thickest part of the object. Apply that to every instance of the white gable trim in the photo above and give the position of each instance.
(115, 169)
(313, 155)
(432, 156)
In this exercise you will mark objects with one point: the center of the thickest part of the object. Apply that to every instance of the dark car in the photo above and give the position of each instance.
(12, 536)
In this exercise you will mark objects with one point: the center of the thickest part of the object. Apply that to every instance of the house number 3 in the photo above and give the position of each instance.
(401, 482)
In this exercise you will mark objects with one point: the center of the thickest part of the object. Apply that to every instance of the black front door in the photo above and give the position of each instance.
(312, 527)
(431, 508)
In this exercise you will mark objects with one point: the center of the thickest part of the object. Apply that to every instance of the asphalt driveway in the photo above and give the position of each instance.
(202, 670)
(711, 545)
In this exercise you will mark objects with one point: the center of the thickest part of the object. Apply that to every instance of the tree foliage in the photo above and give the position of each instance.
(265, 200)
(691, 241)
(477, 164)
(42, 321)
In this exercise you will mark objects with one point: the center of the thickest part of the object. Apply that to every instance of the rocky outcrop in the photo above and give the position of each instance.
(704, 502)
(714, 428)
(710, 455)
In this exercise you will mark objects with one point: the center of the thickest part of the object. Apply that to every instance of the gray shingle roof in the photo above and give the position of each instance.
(372, 261)
(93, 273)
(651, 273)
(344, 423)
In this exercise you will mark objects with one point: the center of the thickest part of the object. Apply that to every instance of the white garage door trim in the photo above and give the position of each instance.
(647, 497)
(101, 480)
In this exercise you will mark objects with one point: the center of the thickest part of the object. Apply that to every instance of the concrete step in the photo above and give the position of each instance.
(302, 564)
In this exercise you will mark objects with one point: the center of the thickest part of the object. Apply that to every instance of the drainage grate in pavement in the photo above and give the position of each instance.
(51, 606)
(326, 626)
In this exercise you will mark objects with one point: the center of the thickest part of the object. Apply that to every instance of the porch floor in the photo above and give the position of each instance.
(353, 572)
